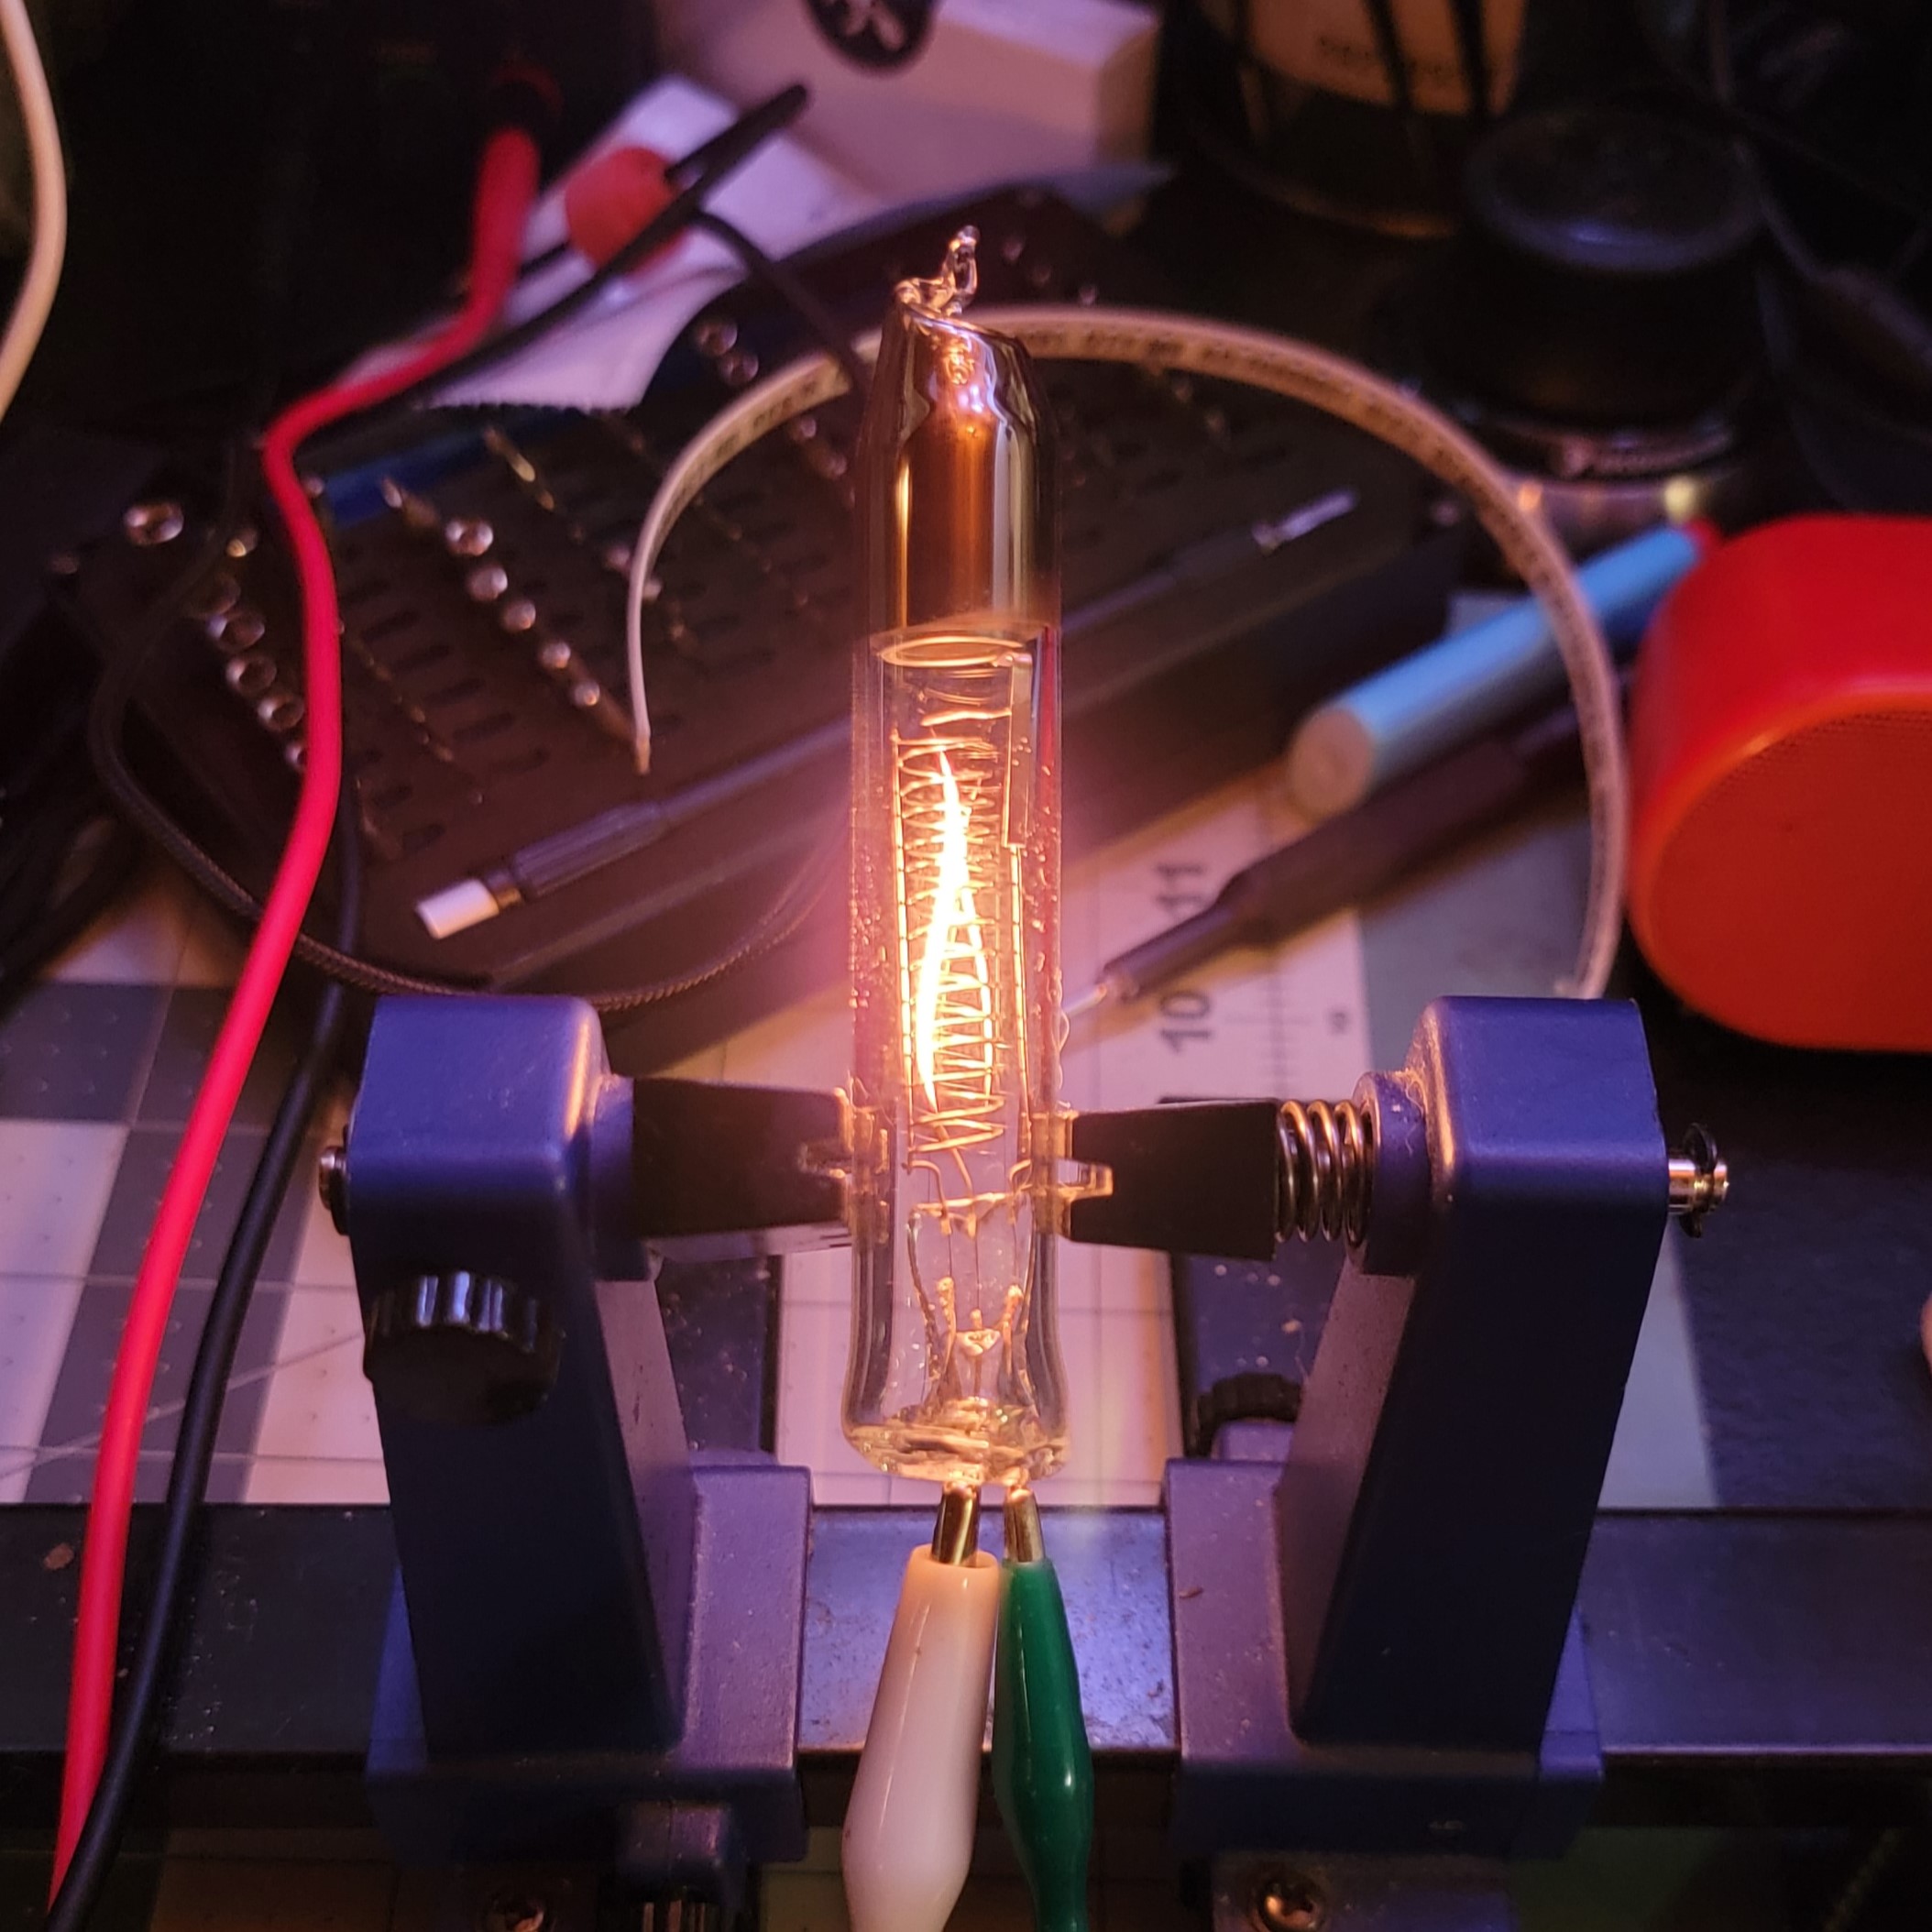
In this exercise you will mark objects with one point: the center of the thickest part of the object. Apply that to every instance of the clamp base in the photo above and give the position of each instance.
(1247, 1780)
(725, 1795)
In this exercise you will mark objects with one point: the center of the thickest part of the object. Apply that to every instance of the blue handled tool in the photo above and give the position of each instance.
(1474, 679)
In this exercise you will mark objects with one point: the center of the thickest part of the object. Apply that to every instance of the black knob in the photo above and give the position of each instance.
(460, 1348)
(1603, 275)
(1253, 1396)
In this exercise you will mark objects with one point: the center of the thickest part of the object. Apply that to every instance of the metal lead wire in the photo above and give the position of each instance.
(956, 1528)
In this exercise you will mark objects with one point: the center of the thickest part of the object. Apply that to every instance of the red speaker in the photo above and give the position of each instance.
(1781, 766)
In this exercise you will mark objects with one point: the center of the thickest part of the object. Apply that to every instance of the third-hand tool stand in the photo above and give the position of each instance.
(595, 1648)
(594, 1652)
(1374, 1646)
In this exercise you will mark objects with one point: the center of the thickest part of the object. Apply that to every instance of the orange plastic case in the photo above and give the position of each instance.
(1781, 765)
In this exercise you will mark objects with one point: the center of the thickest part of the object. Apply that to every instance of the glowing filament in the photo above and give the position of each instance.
(951, 910)
(953, 934)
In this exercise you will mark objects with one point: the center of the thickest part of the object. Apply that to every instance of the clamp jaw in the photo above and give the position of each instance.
(1373, 1641)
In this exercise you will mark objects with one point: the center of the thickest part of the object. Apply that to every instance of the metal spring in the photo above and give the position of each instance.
(1327, 1169)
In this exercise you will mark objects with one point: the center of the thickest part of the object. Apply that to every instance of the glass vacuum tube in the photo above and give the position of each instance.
(955, 1371)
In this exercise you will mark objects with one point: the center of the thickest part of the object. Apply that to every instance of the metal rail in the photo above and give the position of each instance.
(1772, 1665)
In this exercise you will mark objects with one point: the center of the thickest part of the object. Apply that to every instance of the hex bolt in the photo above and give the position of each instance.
(514, 1911)
(332, 1182)
(1288, 1902)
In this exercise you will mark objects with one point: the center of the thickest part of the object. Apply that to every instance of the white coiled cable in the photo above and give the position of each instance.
(49, 246)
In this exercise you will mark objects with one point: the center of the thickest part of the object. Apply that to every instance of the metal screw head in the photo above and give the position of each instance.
(514, 1911)
(149, 524)
(1288, 1901)
(281, 711)
(1699, 1180)
(332, 1182)
(467, 536)
(251, 674)
(239, 630)
(487, 583)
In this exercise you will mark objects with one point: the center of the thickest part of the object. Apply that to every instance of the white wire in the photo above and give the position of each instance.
(1327, 382)
(49, 217)
(764, 407)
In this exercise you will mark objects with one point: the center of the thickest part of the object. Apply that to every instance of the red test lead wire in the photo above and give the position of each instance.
(506, 185)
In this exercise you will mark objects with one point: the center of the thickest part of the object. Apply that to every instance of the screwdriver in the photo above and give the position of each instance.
(1348, 858)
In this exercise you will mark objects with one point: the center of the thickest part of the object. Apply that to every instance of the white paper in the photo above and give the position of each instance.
(1000, 90)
